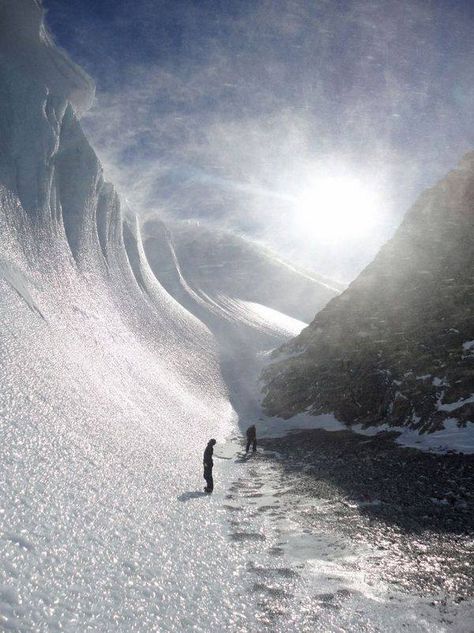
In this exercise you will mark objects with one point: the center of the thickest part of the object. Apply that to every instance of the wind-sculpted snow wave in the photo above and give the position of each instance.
(110, 387)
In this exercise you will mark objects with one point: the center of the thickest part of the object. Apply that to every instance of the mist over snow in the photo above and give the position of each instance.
(227, 112)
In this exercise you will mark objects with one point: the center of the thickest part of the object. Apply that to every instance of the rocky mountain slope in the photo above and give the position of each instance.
(397, 346)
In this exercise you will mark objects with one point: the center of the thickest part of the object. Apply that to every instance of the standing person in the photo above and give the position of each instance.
(208, 464)
(251, 438)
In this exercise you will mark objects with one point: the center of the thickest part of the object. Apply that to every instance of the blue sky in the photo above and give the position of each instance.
(221, 110)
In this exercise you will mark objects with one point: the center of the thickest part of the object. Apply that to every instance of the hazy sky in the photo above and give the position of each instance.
(233, 111)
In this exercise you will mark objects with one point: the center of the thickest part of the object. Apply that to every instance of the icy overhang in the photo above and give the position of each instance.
(27, 46)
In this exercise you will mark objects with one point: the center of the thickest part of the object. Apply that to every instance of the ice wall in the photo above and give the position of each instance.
(109, 388)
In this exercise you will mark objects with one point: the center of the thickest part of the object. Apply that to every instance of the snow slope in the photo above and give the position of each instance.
(110, 388)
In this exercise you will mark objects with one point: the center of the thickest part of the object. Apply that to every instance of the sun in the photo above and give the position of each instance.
(337, 208)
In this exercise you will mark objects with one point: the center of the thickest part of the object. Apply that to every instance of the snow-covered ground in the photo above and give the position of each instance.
(110, 389)
(451, 438)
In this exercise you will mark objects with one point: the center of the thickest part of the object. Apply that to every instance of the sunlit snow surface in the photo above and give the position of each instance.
(110, 390)
(450, 438)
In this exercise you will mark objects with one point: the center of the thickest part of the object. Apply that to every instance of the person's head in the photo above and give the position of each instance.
(212, 442)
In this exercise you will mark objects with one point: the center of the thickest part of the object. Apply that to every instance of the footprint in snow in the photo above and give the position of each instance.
(283, 572)
(275, 592)
(267, 508)
(276, 551)
(247, 536)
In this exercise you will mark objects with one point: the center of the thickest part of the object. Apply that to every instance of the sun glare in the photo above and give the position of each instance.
(337, 208)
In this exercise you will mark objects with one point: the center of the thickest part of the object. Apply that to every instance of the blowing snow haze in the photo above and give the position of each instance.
(253, 116)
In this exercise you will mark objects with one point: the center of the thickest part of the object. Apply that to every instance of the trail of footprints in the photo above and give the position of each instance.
(259, 500)
(248, 500)
(251, 501)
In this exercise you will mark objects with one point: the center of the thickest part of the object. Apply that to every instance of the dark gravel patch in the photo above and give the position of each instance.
(416, 508)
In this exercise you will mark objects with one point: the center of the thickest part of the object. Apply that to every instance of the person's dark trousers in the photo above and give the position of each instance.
(254, 445)
(208, 478)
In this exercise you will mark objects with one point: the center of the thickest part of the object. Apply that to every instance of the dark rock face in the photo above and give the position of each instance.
(398, 345)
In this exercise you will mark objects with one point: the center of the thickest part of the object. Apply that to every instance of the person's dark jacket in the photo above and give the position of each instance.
(251, 433)
(207, 460)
